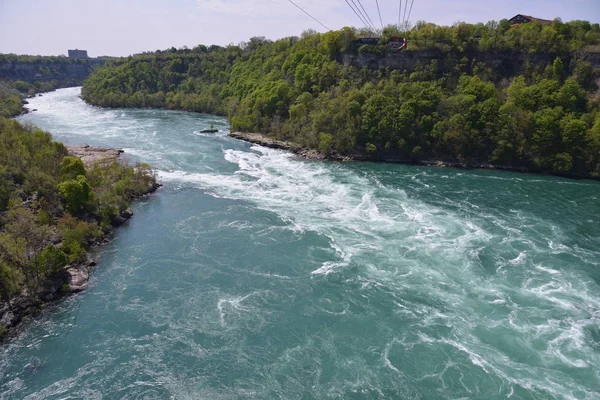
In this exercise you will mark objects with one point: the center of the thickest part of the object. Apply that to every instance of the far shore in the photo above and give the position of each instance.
(313, 154)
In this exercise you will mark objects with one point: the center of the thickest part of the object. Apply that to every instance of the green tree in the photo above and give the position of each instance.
(76, 193)
(51, 260)
(378, 120)
(71, 168)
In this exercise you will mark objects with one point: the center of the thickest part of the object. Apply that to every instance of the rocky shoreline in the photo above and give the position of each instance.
(24, 102)
(94, 154)
(73, 278)
(301, 151)
(309, 153)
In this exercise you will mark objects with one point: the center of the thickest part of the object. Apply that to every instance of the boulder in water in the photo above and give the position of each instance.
(78, 279)
(121, 218)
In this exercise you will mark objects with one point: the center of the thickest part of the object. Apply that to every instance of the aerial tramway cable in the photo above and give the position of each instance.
(365, 13)
(358, 14)
(316, 20)
(364, 17)
(399, 12)
(379, 12)
(404, 14)
(410, 11)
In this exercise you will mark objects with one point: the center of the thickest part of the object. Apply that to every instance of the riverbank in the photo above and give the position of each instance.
(35, 92)
(14, 102)
(74, 276)
(94, 154)
(305, 152)
(313, 154)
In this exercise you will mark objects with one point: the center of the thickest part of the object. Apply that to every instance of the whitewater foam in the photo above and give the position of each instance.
(256, 274)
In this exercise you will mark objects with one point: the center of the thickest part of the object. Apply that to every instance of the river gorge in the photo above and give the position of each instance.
(256, 274)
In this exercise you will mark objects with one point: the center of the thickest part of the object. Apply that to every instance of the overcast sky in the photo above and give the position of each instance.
(123, 27)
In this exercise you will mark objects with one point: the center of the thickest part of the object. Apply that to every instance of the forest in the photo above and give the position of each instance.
(27, 75)
(53, 207)
(545, 118)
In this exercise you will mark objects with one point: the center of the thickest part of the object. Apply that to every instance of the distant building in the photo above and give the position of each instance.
(368, 40)
(523, 19)
(78, 53)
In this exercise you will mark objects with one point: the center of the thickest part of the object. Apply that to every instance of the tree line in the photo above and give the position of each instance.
(298, 89)
(29, 74)
(555, 37)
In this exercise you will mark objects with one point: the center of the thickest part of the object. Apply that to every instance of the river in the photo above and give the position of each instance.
(255, 274)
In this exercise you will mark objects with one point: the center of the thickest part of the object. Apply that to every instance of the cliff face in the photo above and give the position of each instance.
(508, 63)
(70, 72)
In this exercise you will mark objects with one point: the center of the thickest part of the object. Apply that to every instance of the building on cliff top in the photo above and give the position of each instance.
(78, 53)
(368, 40)
(523, 19)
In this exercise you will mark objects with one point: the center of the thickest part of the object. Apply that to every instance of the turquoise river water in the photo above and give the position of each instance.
(253, 274)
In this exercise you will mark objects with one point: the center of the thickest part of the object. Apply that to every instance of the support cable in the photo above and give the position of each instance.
(316, 20)
(410, 11)
(399, 13)
(379, 12)
(358, 15)
(367, 15)
(404, 15)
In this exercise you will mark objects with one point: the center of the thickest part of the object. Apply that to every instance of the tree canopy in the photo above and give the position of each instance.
(540, 111)
(52, 207)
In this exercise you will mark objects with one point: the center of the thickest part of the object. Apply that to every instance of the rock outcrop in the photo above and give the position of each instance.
(77, 279)
(94, 154)
(68, 72)
(508, 63)
(266, 141)
(301, 151)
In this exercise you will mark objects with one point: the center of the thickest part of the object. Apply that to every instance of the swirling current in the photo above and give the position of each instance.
(253, 274)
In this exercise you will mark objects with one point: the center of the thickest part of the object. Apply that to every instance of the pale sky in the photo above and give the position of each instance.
(123, 27)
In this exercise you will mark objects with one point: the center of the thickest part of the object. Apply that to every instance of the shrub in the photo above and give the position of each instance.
(76, 193)
(563, 162)
(325, 142)
(71, 168)
(51, 260)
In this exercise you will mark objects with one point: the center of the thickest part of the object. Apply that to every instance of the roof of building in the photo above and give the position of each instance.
(534, 19)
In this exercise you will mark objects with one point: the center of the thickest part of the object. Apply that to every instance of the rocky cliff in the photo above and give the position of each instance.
(507, 63)
(69, 72)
